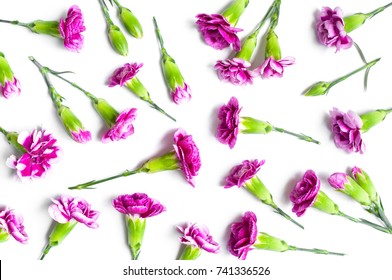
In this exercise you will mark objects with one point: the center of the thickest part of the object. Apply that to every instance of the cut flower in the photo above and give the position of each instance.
(11, 224)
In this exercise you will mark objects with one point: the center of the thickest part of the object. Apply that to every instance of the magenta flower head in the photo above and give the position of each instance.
(305, 192)
(347, 185)
(67, 212)
(330, 29)
(229, 121)
(235, 71)
(71, 28)
(346, 129)
(137, 207)
(243, 235)
(39, 151)
(9, 85)
(274, 68)
(11, 223)
(218, 30)
(196, 237)
(126, 75)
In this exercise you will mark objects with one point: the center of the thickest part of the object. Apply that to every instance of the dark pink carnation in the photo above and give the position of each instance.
(305, 192)
(330, 29)
(346, 129)
(274, 68)
(217, 31)
(123, 74)
(181, 94)
(123, 126)
(138, 205)
(66, 208)
(243, 235)
(229, 121)
(10, 88)
(235, 71)
(41, 152)
(12, 223)
(71, 27)
(243, 172)
(188, 154)
(198, 236)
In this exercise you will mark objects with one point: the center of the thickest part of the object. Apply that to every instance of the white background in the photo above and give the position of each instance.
(104, 251)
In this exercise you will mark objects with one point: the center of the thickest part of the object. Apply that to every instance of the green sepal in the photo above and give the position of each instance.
(190, 253)
(6, 73)
(325, 204)
(168, 161)
(136, 86)
(363, 179)
(45, 27)
(106, 111)
(373, 118)
(255, 126)
(234, 11)
(355, 191)
(171, 72)
(354, 21)
(4, 235)
(267, 242)
(247, 48)
(69, 119)
(118, 40)
(130, 22)
(259, 190)
(60, 232)
(136, 228)
(272, 48)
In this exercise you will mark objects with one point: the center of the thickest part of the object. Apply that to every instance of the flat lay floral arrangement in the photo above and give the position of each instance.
(117, 92)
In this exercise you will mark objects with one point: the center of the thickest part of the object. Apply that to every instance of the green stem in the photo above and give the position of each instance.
(315, 250)
(265, 18)
(363, 221)
(159, 109)
(376, 11)
(378, 210)
(88, 94)
(275, 15)
(45, 252)
(366, 66)
(95, 182)
(282, 213)
(158, 32)
(106, 12)
(56, 97)
(117, 3)
(16, 22)
(299, 136)
(5, 132)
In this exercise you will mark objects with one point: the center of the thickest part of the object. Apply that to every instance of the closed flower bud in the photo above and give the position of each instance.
(272, 48)
(317, 89)
(117, 39)
(131, 23)
(73, 125)
(354, 21)
(373, 118)
(363, 179)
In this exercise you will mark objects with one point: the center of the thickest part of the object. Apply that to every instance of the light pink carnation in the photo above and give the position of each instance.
(274, 68)
(235, 71)
(122, 128)
(10, 88)
(123, 74)
(199, 236)
(12, 223)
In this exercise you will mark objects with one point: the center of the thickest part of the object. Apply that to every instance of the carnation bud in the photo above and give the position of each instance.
(117, 39)
(319, 88)
(131, 23)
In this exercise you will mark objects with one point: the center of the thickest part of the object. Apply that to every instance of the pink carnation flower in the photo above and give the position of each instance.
(10, 88)
(235, 71)
(305, 192)
(243, 172)
(66, 208)
(243, 235)
(71, 27)
(41, 152)
(330, 29)
(123, 126)
(181, 94)
(12, 223)
(229, 121)
(274, 68)
(346, 129)
(123, 74)
(138, 205)
(198, 236)
(187, 154)
(217, 31)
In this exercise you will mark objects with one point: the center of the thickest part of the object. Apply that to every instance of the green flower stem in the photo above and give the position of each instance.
(117, 3)
(190, 253)
(5, 132)
(379, 10)
(88, 185)
(316, 251)
(275, 15)
(158, 32)
(16, 22)
(45, 252)
(366, 66)
(299, 136)
(282, 213)
(378, 210)
(106, 12)
(363, 221)
(56, 97)
(159, 109)
(92, 97)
